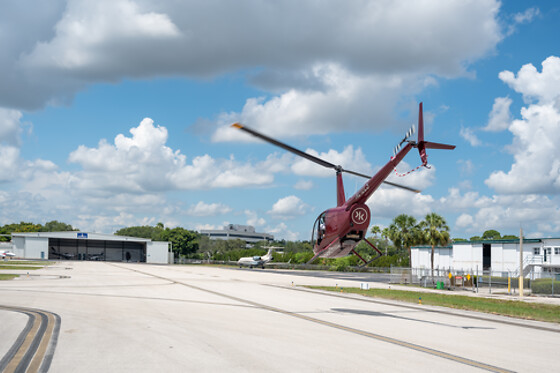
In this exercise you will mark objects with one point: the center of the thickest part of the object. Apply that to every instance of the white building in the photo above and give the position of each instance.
(74, 245)
(237, 231)
(541, 256)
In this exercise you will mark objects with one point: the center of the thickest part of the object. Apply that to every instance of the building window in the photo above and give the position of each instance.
(536, 250)
(557, 251)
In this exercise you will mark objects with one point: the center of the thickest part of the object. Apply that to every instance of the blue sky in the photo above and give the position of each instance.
(117, 113)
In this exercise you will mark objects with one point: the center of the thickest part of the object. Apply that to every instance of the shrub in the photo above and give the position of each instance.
(544, 286)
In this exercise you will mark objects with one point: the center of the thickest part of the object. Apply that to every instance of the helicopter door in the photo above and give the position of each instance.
(319, 230)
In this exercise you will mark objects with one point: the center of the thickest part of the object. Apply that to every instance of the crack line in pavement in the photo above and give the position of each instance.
(379, 337)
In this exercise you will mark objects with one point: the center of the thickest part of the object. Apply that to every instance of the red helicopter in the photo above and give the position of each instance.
(338, 230)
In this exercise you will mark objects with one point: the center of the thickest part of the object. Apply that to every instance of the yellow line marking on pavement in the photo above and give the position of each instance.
(42, 349)
(37, 349)
(25, 345)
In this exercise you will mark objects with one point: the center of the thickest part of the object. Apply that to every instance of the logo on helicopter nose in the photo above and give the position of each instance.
(359, 215)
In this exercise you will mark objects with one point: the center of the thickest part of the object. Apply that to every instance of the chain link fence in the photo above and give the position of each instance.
(544, 283)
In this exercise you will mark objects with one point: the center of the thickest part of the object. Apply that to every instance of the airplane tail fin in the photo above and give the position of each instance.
(268, 255)
(423, 145)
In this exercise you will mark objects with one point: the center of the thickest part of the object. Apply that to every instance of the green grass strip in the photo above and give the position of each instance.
(512, 308)
(7, 277)
(26, 262)
(19, 268)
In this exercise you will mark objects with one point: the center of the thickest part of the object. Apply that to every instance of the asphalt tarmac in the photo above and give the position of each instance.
(143, 318)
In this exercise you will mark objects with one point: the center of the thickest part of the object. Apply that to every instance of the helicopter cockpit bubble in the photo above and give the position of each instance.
(319, 229)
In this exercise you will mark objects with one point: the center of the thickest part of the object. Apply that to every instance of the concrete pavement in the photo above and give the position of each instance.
(142, 318)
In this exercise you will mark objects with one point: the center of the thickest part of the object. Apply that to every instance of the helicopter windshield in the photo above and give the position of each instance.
(319, 229)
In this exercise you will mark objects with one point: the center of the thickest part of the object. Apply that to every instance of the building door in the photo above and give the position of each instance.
(486, 256)
(547, 252)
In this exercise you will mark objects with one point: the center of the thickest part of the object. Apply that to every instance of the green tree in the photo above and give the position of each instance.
(375, 230)
(184, 242)
(404, 232)
(145, 231)
(491, 235)
(19, 227)
(509, 237)
(56, 226)
(435, 232)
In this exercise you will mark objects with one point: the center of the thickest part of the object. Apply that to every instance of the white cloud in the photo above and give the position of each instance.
(349, 158)
(288, 208)
(91, 35)
(539, 215)
(469, 136)
(467, 166)
(507, 213)
(386, 203)
(304, 185)
(347, 101)
(10, 127)
(536, 167)
(10, 141)
(205, 209)
(254, 219)
(281, 231)
(342, 75)
(536, 86)
(465, 221)
(200, 227)
(9, 158)
(521, 18)
(470, 200)
(411, 176)
(143, 163)
(122, 183)
(527, 16)
(500, 116)
(66, 46)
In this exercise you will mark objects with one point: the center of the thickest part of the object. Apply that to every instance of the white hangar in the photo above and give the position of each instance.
(74, 245)
(541, 256)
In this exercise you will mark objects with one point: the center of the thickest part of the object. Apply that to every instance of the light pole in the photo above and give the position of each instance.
(520, 262)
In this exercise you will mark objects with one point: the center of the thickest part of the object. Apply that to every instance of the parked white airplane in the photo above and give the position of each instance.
(256, 261)
(4, 254)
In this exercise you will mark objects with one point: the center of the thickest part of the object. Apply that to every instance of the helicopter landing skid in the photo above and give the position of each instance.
(320, 252)
(363, 260)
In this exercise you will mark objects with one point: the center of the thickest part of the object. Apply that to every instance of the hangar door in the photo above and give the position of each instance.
(83, 249)
(486, 256)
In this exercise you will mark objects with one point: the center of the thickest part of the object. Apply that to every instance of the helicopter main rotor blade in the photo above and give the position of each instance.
(312, 158)
(384, 181)
(402, 186)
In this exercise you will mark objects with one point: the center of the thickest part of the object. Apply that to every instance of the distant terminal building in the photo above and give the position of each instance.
(74, 245)
(541, 256)
(237, 231)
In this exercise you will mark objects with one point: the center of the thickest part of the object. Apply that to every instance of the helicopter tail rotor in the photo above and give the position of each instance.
(408, 133)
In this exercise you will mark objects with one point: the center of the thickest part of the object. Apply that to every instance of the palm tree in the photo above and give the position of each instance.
(404, 232)
(375, 230)
(435, 232)
(385, 235)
